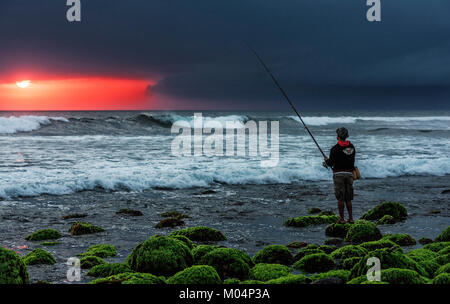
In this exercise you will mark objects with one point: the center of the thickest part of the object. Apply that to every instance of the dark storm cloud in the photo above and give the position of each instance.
(321, 50)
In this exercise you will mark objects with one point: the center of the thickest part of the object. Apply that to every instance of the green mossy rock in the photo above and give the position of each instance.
(318, 262)
(291, 279)
(430, 266)
(304, 221)
(349, 251)
(444, 236)
(348, 264)
(131, 212)
(90, 261)
(337, 230)
(363, 231)
(326, 212)
(374, 245)
(49, 243)
(266, 272)
(174, 214)
(314, 210)
(436, 247)
(130, 278)
(44, 234)
(185, 240)
(200, 274)
(401, 239)
(274, 254)
(444, 251)
(340, 274)
(80, 228)
(74, 215)
(386, 220)
(443, 269)
(105, 270)
(232, 281)
(333, 241)
(199, 251)
(422, 254)
(425, 241)
(402, 276)
(170, 222)
(101, 251)
(443, 278)
(160, 255)
(442, 259)
(388, 259)
(394, 209)
(38, 257)
(12, 269)
(297, 245)
(327, 249)
(228, 262)
(200, 234)
(251, 282)
(304, 252)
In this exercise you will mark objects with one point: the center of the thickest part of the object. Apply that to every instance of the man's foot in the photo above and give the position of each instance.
(350, 221)
(341, 221)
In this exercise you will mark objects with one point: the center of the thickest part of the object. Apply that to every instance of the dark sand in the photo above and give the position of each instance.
(251, 216)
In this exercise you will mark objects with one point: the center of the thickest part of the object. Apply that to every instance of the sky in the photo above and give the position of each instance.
(189, 55)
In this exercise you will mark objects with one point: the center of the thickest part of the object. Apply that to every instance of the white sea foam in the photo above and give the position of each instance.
(14, 124)
(325, 120)
(238, 120)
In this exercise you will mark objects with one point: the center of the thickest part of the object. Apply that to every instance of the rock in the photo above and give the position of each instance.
(329, 281)
(90, 261)
(199, 251)
(425, 241)
(200, 234)
(49, 243)
(348, 264)
(160, 255)
(447, 191)
(208, 191)
(333, 241)
(174, 214)
(80, 228)
(434, 211)
(266, 272)
(401, 239)
(274, 254)
(314, 211)
(170, 222)
(306, 251)
(296, 244)
(318, 262)
(75, 215)
(304, 221)
(185, 240)
(37, 257)
(201, 274)
(374, 245)
(339, 274)
(436, 246)
(326, 213)
(130, 278)
(232, 281)
(101, 250)
(251, 282)
(130, 212)
(327, 249)
(12, 268)
(394, 209)
(337, 230)
(386, 220)
(349, 251)
(44, 234)
(443, 269)
(444, 236)
(443, 278)
(402, 276)
(105, 270)
(228, 262)
(291, 279)
(363, 231)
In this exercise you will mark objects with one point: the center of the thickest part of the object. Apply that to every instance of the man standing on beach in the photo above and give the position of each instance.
(342, 161)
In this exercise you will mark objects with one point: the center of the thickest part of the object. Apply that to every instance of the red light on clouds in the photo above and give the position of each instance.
(75, 94)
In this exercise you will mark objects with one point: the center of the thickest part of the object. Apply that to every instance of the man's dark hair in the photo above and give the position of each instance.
(342, 133)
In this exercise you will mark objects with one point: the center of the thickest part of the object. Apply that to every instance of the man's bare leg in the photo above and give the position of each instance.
(341, 211)
(349, 210)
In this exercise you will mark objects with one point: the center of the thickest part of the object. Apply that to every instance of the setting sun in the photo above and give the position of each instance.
(23, 84)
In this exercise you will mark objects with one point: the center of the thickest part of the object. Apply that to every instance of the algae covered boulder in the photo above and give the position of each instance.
(291, 279)
(394, 209)
(130, 212)
(386, 219)
(265, 272)
(348, 264)
(337, 230)
(444, 236)
(90, 261)
(130, 278)
(200, 234)
(401, 239)
(306, 251)
(200, 274)
(228, 262)
(340, 274)
(105, 270)
(80, 228)
(402, 276)
(160, 255)
(39, 256)
(304, 221)
(185, 240)
(314, 210)
(363, 231)
(44, 234)
(274, 254)
(101, 251)
(443, 269)
(12, 269)
(318, 262)
(383, 243)
(170, 222)
(349, 251)
(199, 251)
(436, 247)
(443, 278)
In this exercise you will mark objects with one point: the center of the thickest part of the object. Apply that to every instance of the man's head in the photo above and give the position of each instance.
(342, 133)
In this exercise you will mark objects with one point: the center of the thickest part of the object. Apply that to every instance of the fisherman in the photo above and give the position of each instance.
(342, 161)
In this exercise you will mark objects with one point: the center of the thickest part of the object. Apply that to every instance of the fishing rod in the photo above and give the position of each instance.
(287, 98)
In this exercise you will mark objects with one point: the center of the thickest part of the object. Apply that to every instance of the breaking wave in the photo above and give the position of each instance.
(13, 124)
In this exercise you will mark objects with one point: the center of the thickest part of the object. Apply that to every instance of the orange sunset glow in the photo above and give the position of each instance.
(75, 94)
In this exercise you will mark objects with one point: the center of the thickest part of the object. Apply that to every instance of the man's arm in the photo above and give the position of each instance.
(330, 161)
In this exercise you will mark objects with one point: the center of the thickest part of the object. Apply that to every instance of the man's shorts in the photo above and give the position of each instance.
(343, 186)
